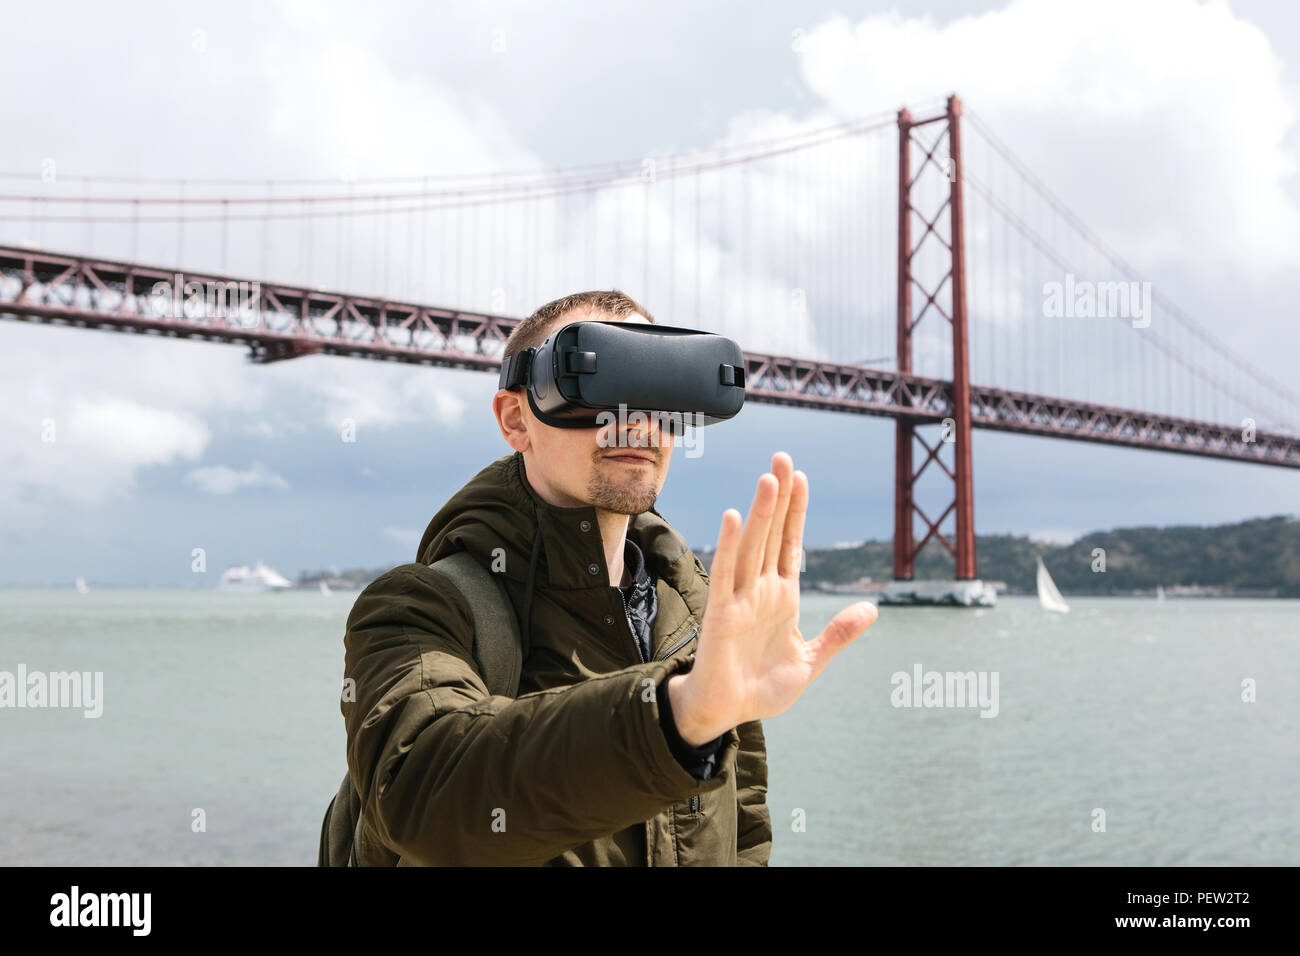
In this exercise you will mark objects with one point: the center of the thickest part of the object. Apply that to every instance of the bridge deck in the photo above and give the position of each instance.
(278, 322)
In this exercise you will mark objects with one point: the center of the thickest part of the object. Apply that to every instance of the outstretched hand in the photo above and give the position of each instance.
(751, 661)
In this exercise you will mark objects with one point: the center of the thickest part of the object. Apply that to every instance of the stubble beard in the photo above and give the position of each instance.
(633, 494)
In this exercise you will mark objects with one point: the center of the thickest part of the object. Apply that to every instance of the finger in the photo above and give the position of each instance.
(755, 534)
(792, 543)
(842, 631)
(783, 469)
(722, 569)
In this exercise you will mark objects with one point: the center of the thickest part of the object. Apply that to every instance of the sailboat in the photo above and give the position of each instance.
(1049, 598)
(325, 588)
(1160, 593)
(82, 587)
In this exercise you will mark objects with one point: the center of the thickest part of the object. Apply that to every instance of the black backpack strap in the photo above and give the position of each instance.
(499, 654)
(497, 647)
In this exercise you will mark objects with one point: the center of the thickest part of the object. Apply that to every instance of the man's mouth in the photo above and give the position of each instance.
(632, 458)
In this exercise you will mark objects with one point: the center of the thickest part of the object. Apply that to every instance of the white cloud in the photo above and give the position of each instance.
(222, 480)
(82, 446)
(1164, 123)
(382, 394)
(110, 425)
(288, 99)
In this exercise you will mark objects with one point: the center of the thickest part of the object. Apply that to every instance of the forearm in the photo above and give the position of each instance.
(701, 761)
(517, 782)
(695, 725)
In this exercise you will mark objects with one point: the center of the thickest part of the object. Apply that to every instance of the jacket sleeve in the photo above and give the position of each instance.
(700, 762)
(753, 819)
(449, 775)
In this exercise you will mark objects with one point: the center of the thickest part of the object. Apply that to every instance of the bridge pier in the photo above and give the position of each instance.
(956, 428)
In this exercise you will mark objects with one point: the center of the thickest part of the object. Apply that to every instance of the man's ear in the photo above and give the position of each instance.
(508, 407)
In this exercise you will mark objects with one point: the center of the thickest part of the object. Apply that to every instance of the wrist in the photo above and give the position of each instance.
(695, 728)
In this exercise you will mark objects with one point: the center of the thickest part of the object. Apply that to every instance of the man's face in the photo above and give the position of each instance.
(620, 467)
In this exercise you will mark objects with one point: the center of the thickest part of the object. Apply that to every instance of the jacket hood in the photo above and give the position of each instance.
(499, 518)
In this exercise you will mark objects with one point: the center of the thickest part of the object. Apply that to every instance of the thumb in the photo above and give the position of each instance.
(842, 631)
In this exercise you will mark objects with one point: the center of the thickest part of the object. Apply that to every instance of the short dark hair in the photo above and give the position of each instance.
(532, 331)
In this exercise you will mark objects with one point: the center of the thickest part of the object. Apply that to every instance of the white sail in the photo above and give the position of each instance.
(1160, 593)
(82, 587)
(325, 588)
(1049, 598)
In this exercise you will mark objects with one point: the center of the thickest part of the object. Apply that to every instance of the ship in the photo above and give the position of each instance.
(256, 579)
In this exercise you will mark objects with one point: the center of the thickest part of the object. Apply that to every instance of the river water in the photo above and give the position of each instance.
(1124, 714)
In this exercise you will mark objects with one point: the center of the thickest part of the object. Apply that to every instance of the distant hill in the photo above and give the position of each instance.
(1260, 555)
(351, 579)
(1257, 556)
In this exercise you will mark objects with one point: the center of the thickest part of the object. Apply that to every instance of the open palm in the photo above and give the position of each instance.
(751, 661)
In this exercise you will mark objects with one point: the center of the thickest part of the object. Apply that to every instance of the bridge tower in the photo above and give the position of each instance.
(956, 430)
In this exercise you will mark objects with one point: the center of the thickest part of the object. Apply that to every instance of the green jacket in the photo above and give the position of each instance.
(576, 770)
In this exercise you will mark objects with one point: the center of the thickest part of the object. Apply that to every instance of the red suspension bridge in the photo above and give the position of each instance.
(883, 266)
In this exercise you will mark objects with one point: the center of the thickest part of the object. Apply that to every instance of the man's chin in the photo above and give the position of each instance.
(631, 497)
(627, 505)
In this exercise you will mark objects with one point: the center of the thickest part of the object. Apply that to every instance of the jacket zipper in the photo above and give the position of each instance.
(680, 644)
(695, 798)
(627, 615)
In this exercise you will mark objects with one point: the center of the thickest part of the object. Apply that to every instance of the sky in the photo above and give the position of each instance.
(1169, 125)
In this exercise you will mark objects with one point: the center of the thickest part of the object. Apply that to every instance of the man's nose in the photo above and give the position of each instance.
(643, 429)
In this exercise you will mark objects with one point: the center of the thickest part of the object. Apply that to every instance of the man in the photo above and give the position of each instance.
(635, 738)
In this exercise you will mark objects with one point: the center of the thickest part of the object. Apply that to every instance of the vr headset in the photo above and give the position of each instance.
(586, 368)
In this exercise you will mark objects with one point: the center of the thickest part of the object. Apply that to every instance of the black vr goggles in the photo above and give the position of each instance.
(586, 368)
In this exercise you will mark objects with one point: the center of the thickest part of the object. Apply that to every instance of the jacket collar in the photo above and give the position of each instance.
(634, 562)
(499, 517)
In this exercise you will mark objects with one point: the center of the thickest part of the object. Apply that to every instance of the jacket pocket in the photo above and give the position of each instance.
(705, 825)
(679, 641)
